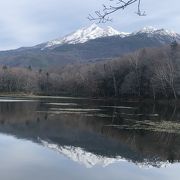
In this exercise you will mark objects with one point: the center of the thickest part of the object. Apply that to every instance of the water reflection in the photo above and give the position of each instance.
(97, 132)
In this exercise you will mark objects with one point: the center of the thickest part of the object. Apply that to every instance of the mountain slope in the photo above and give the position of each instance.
(85, 34)
(95, 32)
(87, 44)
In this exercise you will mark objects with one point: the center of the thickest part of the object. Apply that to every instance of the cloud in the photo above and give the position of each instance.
(27, 22)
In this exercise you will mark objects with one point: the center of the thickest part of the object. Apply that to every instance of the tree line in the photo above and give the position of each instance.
(146, 73)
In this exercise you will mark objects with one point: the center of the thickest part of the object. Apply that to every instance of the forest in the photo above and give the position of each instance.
(147, 73)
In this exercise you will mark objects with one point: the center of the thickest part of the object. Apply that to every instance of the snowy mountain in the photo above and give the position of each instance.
(88, 44)
(162, 35)
(85, 34)
(154, 31)
(94, 32)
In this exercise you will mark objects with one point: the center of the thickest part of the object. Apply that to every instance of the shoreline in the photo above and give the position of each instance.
(130, 100)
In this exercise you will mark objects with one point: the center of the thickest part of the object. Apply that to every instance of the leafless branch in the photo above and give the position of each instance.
(104, 15)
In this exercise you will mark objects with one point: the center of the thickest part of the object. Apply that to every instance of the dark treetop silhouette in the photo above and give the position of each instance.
(115, 5)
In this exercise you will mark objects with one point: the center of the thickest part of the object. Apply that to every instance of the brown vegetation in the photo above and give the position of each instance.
(147, 73)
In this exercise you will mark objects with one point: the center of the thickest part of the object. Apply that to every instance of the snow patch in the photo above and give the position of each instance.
(85, 34)
(94, 31)
(154, 31)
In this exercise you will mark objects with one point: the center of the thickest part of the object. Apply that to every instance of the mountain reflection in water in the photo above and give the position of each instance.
(97, 132)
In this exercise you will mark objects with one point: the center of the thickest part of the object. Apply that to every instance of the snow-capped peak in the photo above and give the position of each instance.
(94, 31)
(154, 31)
(85, 34)
(112, 31)
(148, 29)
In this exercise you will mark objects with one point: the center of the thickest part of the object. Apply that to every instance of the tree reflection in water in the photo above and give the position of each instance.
(98, 127)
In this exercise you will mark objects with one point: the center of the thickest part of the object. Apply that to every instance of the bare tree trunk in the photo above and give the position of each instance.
(154, 93)
(114, 81)
(164, 89)
(115, 85)
(174, 92)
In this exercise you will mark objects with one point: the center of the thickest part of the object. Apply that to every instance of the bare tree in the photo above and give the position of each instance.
(135, 65)
(103, 15)
(166, 73)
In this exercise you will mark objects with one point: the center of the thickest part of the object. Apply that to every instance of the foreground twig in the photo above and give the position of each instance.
(104, 15)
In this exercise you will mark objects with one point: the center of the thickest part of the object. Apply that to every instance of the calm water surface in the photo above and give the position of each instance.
(73, 139)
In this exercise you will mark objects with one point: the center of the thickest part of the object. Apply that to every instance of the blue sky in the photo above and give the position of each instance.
(29, 22)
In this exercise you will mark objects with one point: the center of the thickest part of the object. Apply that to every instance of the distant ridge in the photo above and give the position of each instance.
(94, 31)
(85, 34)
(87, 44)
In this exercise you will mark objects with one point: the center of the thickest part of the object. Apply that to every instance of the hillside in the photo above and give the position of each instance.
(85, 45)
(146, 73)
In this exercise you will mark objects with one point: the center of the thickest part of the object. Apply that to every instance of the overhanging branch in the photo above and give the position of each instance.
(104, 15)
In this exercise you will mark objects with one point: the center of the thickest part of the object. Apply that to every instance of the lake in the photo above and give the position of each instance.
(52, 138)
